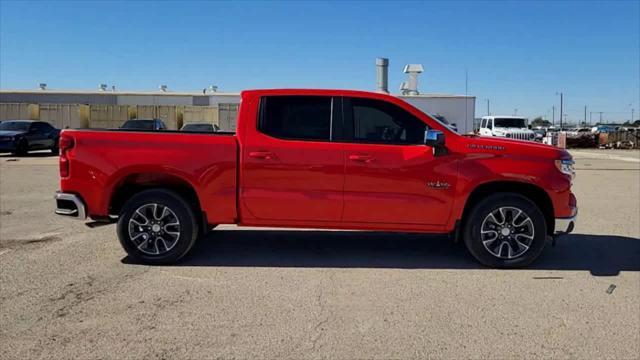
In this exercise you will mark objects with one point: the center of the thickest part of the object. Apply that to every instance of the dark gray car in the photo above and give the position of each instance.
(22, 136)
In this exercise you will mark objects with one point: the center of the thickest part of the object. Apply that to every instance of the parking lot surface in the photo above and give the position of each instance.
(67, 291)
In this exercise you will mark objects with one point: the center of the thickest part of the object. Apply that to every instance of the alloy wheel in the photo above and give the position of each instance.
(507, 232)
(154, 229)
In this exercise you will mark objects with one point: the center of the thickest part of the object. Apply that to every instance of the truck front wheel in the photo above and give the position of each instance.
(157, 227)
(505, 230)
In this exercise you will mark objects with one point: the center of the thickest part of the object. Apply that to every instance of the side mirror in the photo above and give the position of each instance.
(434, 138)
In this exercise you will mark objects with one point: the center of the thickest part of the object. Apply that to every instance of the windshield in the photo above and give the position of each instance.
(15, 126)
(198, 127)
(509, 122)
(138, 124)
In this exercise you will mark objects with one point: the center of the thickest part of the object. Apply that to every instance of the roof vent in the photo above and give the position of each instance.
(42, 86)
(163, 88)
(410, 87)
(102, 87)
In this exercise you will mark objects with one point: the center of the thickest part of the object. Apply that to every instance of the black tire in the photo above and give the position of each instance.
(22, 148)
(188, 227)
(473, 238)
(55, 150)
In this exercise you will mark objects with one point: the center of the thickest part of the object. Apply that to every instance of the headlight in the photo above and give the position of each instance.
(566, 167)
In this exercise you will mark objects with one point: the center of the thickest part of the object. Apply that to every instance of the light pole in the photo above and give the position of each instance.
(515, 112)
(553, 115)
(561, 99)
(488, 112)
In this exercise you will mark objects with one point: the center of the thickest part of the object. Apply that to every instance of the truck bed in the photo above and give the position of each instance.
(105, 164)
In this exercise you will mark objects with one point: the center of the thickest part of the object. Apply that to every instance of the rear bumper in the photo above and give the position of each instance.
(70, 205)
(565, 225)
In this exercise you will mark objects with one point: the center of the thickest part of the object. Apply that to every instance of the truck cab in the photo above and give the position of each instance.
(512, 127)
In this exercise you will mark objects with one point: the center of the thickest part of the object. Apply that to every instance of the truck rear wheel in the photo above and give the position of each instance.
(505, 230)
(157, 227)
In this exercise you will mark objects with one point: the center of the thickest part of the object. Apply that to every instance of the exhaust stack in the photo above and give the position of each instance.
(382, 75)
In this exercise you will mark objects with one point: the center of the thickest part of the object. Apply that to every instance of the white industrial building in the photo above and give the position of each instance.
(105, 107)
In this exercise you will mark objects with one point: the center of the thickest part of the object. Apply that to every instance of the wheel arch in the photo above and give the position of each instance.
(133, 183)
(530, 191)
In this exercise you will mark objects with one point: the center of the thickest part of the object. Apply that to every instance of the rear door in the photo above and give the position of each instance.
(291, 168)
(391, 176)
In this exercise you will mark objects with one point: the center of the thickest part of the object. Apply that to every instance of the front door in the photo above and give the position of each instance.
(391, 176)
(290, 168)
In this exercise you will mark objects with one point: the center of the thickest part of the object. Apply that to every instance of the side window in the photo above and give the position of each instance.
(296, 117)
(483, 123)
(376, 121)
(37, 127)
(490, 124)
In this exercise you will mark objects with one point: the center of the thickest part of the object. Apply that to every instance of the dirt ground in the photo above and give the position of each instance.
(67, 291)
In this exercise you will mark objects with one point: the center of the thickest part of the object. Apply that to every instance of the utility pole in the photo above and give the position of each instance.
(600, 117)
(561, 111)
(631, 116)
(553, 115)
(585, 114)
(515, 112)
(488, 112)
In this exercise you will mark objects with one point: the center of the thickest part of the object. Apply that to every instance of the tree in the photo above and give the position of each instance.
(539, 121)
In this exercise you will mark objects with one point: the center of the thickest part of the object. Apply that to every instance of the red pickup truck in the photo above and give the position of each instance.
(329, 159)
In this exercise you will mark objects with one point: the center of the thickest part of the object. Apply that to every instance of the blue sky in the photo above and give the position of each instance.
(518, 54)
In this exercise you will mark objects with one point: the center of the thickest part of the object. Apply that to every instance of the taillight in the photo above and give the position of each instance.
(65, 144)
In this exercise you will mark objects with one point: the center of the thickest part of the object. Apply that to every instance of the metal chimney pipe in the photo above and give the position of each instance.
(382, 75)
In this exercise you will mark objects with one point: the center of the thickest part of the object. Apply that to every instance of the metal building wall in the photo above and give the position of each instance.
(57, 98)
(65, 116)
(11, 111)
(200, 114)
(459, 110)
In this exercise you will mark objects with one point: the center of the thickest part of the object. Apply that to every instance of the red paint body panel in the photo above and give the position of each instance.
(101, 160)
(251, 178)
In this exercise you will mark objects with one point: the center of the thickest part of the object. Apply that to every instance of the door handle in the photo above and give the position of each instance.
(265, 155)
(361, 158)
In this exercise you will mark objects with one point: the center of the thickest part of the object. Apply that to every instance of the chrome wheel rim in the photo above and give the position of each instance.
(154, 229)
(507, 232)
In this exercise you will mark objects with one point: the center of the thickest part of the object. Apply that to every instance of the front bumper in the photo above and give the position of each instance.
(7, 145)
(70, 205)
(565, 225)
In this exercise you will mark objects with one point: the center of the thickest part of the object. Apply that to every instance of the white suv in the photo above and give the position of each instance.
(506, 126)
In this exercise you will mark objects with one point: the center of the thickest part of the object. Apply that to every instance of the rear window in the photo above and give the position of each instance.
(198, 127)
(138, 124)
(296, 117)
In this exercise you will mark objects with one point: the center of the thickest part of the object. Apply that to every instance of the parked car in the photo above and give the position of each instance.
(539, 134)
(579, 132)
(602, 129)
(200, 127)
(506, 126)
(22, 136)
(329, 159)
(144, 124)
(444, 120)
